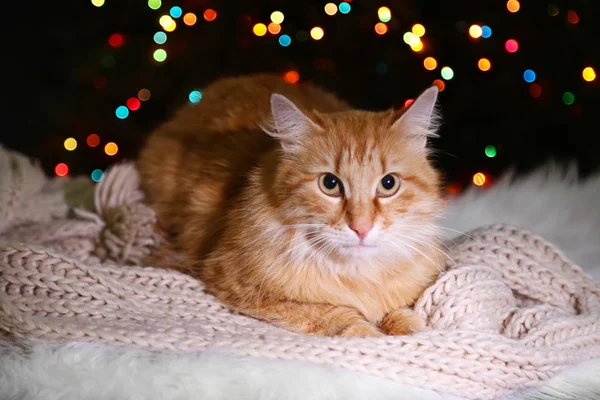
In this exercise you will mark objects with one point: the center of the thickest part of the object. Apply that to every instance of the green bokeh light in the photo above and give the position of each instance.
(490, 151)
(568, 98)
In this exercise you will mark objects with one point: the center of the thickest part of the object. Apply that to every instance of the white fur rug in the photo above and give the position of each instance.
(549, 202)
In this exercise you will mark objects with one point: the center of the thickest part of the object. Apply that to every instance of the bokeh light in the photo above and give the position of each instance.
(154, 4)
(568, 98)
(408, 102)
(418, 30)
(98, 3)
(475, 31)
(529, 75)
(411, 39)
(381, 28)
(344, 7)
(484, 64)
(111, 148)
(440, 84)
(97, 175)
(535, 90)
(259, 29)
(330, 9)
(167, 23)
(277, 17)
(195, 96)
(61, 169)
(159, 55)
(417, 47)
(589, 74)
(175, 12)
(317, 33)
(572, 17)
(552, 10)
(490, 151)
(133, 104)
(430, 63)
(384, 14)
(144, 95)
(291, 77)
(511, 45)
(486, 31)
(274, 28)
(479, 179)
(447, 73)
(122, 112)
(70, 144)
(116, 40)
(190, 19)
(285, 40)
(160, 37)
(513, 6)
(210, 15)
(92, 140)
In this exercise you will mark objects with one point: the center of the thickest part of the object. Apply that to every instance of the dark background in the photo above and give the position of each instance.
(63, 78)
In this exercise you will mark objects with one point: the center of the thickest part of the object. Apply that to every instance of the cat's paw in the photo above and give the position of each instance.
(402, 321)
(361, 329)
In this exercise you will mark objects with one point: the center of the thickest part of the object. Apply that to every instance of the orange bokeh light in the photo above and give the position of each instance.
(210, 15)
(274, 28)
(190, 19)
(381, 28)
(111, 148)
(479, 179)
(440, 84)
(291, 76)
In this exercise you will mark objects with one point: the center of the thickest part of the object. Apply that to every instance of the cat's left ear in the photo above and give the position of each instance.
(419, 121)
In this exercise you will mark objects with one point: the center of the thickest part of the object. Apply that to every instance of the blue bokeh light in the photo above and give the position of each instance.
(486, 31)
(160, 37)
(195, 96)
(344, 7)
(122, 112)
(176, 12)
(97, 175)
(529, 76)
(285, 40)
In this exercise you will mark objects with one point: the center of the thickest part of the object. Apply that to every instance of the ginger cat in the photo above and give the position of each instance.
(295, 209)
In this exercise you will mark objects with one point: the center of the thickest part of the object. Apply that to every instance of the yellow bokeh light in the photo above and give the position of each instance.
(417, 47)
(513, 6)
(70, 144)
(167, 23)
(190, 19)
(384, 14)
(479, 179)
(98, 3)
(475, 31)
(411, 39)
(330, 9)
(589, 74)
(274, 28)
(430, 63)
(484, 64)
(277, 17)
(111, 148)
(259, 29)
(317, 33)
(418, 30)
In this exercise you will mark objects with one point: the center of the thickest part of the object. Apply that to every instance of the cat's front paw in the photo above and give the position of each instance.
(402, 321)
(361, 329)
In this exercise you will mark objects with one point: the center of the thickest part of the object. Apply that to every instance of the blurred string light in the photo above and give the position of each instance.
(291, 77)
(277, 17)
(381, 28)
(589, 74)
(61, 169)
(274, 28)
(513, 6)
(418, 30)
(484, 64)
(154, 4)
(529, 76)
(190, 19)
(116, 40)
(511, 45)
(475, 31)
(111, 148)
(167, 23)
(430, 63)
(572, 17)
(440, 84)
(259, 29)
(133, 104)
(486, 31)
(490, 151)
(97, 175)
(195, 96)
(285, 40)
(160, 37)
(92, 140)
(344, 7)
(144, 95)
(70, 144)
(535, 90)
(210, 15)
(122, 112)
(330, 9)
(479, 179)
(384, 14)
(552, 10)
(447, 73)
(568, 98)
(175, 12)
(159, 55)
(317, 33)
(98, 3)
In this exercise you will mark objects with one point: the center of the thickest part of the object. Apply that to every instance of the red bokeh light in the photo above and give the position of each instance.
(572, 17)
(133, 104)
(291, 77)
(511, 45)
(116, 40)
(61, 169)
(93, 140)
(535, 90)
(408, 102)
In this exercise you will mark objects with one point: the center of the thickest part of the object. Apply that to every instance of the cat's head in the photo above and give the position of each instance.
(357, 185)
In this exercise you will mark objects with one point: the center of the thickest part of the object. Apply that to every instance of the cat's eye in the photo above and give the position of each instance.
(388, 185)
(331, 185)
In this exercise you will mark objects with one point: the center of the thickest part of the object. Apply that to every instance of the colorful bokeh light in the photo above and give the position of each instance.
(167, 23)
(317, 33)
(159, 55)
(484, 64)
(589, 74)
(144, 95)
(529, 76)
(572, 17)
(535, 90)
(259, 29)
(490, 151)
(133, 104)
(330, 9)
(277, 17)
(344, 7)
(568, 98)
(195, 96)
(210, 15)
(411, 39)
(417, 47)
(285, 40)
(291, 77)
(111, 148)
(511, 45)
(97, 175)
(61, 169)
(70, 144)
(160, 37)
(92, 140)
(430, 63)
(475, 31)
(408, 102)
(513, 6)
(486, 31)
(98, 3)
(384, 14)
(274, 28)
(190, 19)
(176, 12)
(418, 30)
(479, 179)
(381, 28)
(154, 4)
(116, 40)
(440, 84)
(122, 112)
(447, 73)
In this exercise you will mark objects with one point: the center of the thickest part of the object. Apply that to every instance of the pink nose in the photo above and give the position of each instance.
(362, 227)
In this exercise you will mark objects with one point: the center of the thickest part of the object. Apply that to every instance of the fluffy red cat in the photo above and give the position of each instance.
(295, 209)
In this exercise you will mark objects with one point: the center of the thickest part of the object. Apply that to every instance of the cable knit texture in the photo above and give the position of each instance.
(510, 311)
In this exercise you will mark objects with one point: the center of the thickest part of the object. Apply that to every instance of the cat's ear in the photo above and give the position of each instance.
(420, 120)
(289, 123)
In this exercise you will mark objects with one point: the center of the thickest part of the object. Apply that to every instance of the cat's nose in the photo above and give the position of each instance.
(362, 227)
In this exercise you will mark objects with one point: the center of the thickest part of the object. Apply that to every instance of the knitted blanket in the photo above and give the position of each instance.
(510, 311)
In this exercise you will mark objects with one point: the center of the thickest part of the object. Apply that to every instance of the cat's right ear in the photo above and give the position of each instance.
(289, 123)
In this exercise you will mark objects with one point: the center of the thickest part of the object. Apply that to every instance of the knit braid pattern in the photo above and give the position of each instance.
(510, 311)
